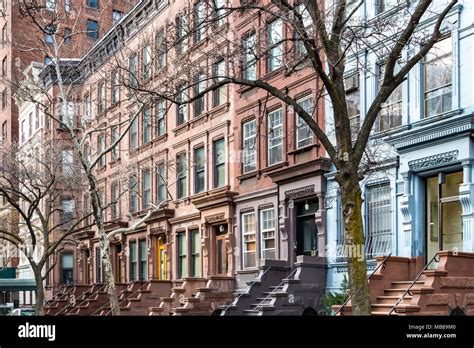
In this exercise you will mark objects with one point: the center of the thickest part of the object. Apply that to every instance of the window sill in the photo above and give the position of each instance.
(182, 127)
(272, 74)
(303, 149)
(275, 166)
(115, 162)
(145, 147)
(434, 118)
(215, 111)
(161, 138)
(102, 169)
(197, 119)
(255, 173)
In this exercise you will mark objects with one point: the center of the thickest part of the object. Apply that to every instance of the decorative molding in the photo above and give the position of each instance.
(300, 192)
(215, 218)
(434, 161)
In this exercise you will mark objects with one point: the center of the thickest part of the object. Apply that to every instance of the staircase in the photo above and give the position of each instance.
(182, 291)
(148, 295)
(64, 297)
(295, 293)
(217, 293)
(436, 291)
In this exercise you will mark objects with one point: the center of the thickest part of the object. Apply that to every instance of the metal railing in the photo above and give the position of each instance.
(124, 292)
(407, 291)
(382, 264)
(75, 305)
(260, 304)
(236, 300)
(376, 244)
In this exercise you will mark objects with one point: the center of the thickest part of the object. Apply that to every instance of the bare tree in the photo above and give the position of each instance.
(40, 184)
(321, 38)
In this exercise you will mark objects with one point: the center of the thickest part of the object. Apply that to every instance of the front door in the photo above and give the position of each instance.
(117, 262)
(160, 258)
(306, 230)
(221, 251)
(443, 213)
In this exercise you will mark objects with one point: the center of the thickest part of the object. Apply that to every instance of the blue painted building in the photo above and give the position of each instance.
(419, 198)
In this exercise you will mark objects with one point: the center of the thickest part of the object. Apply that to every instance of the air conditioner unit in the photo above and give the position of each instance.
(351, 82)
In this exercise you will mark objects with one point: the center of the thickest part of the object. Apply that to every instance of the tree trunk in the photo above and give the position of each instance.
(355, 244)
(104, 250)
(39, 305)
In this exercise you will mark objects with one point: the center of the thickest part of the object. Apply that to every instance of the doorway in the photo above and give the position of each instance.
(117, 262)
(306, 230)
(160, 257)
(443, 213)
(221, 264)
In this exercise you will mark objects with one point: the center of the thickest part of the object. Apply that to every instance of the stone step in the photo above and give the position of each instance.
(376, 313)
(291, 281)
(392, 299)
(406, 284)
(253, 282)
(435, 273)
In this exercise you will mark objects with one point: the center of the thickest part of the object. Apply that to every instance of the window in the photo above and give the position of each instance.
(199, 87)
(30, 124)
(132, 71)
(182, 257)
(249, 240)
(308, 28)
(146, 188)
(114, 198)
(249, 68)
(142, 255)
(219, 12)
(195, 266)
(101, 149)
(146, 62)
(275, 137)
(384, 5)
(181, 173)
(98, 267)
(67, 114)
(275, 37)
(4, 66)
(353, 103)
(161, 182)
(4, 98)
(351, 5)
(182, 108)
(115, 136)
(67, 267)
(67, 162)
(249, 130)
(146, 125)
(37, 119)
(438, 78)
(199, 18)
(219, 163)
(134, 135)
(199, 169)
(304, 135)
(133, 260)
(93, 3)
(390, 115)
(67, 212)
(92, 29)
(50, 5)
(115, 87)
(133, 189)
(22, 131)
(160, 49)
(5, 34)
(181, 23)
(49, 32)
(4, 130)
(116, 16)
(267, 230)
(160, 113)
(101, 97)
(379, 234)
(67, 36)
(67, 6)
(218, 95)
(87, 109)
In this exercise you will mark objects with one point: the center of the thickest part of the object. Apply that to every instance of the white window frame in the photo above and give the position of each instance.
(245, 233)
(302, 125)
(248, 152)
(275, 132)
(265, 231)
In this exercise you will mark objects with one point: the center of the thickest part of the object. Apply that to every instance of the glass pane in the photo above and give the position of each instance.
(432, 216)
(452, 226)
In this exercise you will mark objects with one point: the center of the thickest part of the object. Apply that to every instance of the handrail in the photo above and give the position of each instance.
(238, 297)
(124, 291)
(407, 291)
(382, 264)
(84, 300)
(274, 290)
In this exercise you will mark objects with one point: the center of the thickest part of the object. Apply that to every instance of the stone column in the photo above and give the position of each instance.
(286, 248)
(406, 206)
(320, 219)
(466, 196)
